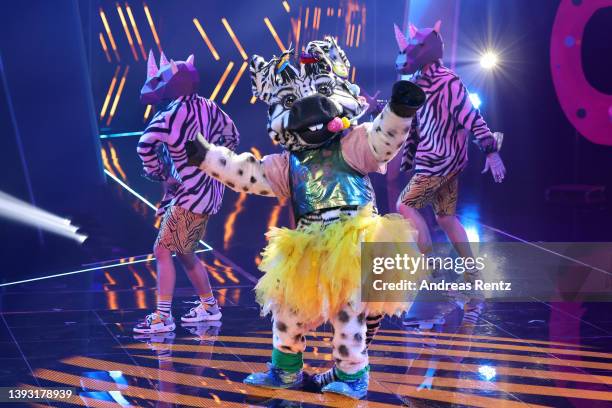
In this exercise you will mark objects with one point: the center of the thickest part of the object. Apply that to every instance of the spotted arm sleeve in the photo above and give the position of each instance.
(243, 172)
(387, 134)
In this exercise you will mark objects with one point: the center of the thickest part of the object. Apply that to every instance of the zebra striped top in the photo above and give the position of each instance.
(437, 143)
(173, 126)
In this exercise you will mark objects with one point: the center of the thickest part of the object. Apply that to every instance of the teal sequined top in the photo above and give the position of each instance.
(322, 179)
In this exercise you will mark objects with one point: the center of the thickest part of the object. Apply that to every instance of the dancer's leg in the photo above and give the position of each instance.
(423, 236)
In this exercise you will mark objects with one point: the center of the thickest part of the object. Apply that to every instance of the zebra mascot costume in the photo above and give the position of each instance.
(312, 273)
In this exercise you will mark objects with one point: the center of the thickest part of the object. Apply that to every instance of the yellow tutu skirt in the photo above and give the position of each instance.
(316, 271)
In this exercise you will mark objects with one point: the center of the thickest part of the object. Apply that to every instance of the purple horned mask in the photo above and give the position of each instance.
(422, 47)
(171, 80)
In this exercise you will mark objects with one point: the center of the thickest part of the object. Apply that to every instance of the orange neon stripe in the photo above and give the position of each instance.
(492, 338)
(234, 38)
(286, 6)
(136, 32)
(131, 391)
(253, 99)
(147, 112)
(152, 25)
(213, 271)
(104, 47)
(106, 163)
(406, 383)
(111, 297)
(209, 44)
(109, 93)
(229, 92)
(231, 220)
(117, 96)
(229, 67)
(306, 17)
(449, 352)
(274, 34)
(127, 31)
(227, 270)
(109, 33)
(115, 160)
(141, 302)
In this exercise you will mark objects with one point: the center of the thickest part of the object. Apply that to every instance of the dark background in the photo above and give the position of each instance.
(58, 117)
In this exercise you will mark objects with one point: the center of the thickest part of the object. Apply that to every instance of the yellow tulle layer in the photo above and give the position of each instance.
(317, 271)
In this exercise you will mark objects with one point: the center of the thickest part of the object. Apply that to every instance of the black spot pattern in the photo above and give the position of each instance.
(361, 318)
(343, 350)
(240, 172)
(358, 337)
(281, 327)
(253, 179)
(230, 184)
(223, 161)
(343, 316)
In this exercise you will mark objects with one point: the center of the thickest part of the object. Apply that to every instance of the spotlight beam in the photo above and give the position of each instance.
(96, 268)
(25, 213)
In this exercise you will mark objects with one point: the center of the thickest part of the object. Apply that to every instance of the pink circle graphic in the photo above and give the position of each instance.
(587, 109)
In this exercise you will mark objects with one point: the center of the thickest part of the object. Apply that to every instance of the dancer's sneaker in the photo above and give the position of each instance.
(156, 322)
(275, 378)
(355, 389)
(202, 312)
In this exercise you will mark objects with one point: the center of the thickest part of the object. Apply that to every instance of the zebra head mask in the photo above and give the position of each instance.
(310, 105)
(423, 47)
(171, 80)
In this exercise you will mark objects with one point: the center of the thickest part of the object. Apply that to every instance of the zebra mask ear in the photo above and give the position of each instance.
(331, 57)
(266, 76)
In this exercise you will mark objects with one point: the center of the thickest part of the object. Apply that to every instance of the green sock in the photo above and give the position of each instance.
(351, 377)
(291, 363)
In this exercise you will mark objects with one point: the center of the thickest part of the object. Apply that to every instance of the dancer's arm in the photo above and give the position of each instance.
(243, 172)
(411, 145)
(469, 117)
(220, 129)
(150, 149)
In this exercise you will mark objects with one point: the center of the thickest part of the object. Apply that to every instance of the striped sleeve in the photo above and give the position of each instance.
(411, 144)
(221, 130)
(468, 116)
(150, 146)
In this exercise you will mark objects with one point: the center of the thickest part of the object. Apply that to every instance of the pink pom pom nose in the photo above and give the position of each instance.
(335, 125)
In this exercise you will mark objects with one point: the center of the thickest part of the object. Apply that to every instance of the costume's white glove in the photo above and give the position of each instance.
(496, 165)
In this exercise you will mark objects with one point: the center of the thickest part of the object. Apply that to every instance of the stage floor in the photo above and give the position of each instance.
(79, 334)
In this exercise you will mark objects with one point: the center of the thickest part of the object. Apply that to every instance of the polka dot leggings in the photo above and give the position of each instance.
(353, 331)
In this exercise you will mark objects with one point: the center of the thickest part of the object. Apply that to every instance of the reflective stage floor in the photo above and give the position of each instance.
(76, 331)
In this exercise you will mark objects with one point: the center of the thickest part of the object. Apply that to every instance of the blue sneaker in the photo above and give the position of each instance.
(355, 389)
(275, 378)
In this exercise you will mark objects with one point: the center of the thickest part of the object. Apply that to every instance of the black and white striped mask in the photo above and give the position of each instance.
(321, 76)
